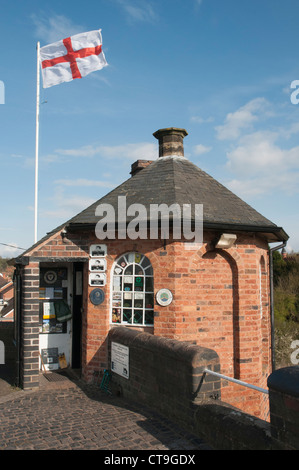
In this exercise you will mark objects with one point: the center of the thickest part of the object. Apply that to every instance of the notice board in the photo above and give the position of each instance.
(120, 359)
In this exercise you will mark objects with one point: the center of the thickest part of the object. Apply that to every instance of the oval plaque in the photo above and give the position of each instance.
(97, 296)
(164, 297)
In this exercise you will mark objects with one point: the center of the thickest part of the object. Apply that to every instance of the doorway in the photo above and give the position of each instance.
(77, 315)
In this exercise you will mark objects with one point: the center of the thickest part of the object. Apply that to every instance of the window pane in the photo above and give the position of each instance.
(122, 262)
(138, 257)
(131, 257)
(117, 285)
(148, 271)
(149, 284)
(138, 317)
(128, 283)
(128, 270)
(149, 300)
(116, 315)
(127, 315)
(145, 262)
(139, 283)
(138, 303)
(149, 317)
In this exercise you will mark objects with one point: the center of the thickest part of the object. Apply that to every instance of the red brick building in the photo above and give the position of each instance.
(217, 293)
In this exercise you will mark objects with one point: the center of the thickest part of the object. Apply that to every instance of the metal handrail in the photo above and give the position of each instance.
(240, 382)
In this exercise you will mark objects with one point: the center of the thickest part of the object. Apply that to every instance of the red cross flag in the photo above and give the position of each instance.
(73, 57)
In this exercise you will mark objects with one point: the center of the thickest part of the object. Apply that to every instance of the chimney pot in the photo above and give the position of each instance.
(171, 141)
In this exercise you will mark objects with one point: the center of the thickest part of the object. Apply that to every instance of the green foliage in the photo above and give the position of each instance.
(285, 333)
(286, 287)
(3, 264)
(286, 305)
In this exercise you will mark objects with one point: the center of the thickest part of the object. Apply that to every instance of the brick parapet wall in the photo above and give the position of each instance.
(284, 406)
(165, 374)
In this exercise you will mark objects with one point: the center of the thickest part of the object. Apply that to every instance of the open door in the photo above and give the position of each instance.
(77, 315)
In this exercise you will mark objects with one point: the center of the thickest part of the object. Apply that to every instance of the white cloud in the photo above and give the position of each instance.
(261, 166)
(10, 250)
(260, 161)
(201, 120)
(258, 153)
(65, 207)
(242, 119)
(138, 10)
(143, 150)
(84, 182)
(201, 149)
(54, 27)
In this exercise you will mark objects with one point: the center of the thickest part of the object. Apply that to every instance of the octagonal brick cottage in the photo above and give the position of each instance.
(72, 287)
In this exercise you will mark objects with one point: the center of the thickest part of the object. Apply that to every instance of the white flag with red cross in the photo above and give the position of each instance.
(70, 58)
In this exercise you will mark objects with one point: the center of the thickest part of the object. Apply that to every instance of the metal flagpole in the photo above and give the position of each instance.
(37, 139)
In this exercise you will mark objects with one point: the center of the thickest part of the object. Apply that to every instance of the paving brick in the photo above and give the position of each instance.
(70, 415)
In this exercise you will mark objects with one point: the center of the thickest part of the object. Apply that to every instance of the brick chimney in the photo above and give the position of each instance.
(139, 165)
(171, 141)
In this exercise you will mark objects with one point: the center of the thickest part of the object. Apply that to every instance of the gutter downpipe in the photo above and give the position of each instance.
(271, 250)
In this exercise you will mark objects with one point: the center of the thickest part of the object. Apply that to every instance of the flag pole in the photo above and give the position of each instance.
(37, 139)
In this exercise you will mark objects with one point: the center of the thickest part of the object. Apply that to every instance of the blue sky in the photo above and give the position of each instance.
(221, 69)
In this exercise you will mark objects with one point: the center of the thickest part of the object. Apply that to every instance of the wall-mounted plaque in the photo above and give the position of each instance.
(97, 296)
(97, 265)
(50, 277)
(164, 297)
(120, 359)
(97, 279)
(98, 251)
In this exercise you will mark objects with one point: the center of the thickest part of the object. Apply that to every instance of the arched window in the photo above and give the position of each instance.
(133, 291)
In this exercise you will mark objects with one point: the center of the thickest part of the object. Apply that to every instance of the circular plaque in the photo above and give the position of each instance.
(164, 297)
(97, 296)
(50, 277)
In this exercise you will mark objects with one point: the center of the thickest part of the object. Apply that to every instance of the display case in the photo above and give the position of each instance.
(53, 306)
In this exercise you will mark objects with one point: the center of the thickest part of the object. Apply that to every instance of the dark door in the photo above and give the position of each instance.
(77, 315)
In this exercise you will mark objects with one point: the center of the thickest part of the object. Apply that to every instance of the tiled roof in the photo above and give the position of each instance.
(172, 180)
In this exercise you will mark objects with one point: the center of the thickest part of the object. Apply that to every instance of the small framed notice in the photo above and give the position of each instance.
(120, 359)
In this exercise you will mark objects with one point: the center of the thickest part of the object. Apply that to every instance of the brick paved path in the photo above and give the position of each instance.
(67, 415)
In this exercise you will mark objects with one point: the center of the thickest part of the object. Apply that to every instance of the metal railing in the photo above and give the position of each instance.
(239, 382)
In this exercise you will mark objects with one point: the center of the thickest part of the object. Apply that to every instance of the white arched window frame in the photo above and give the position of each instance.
(132, 300)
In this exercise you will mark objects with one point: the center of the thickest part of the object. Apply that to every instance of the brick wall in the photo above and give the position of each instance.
(165, 374)
(221, 302)
(30, 326)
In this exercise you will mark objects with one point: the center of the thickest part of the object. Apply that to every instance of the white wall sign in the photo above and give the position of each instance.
(97, 279)
(120, 359)
(97, 265)
(98, 251)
